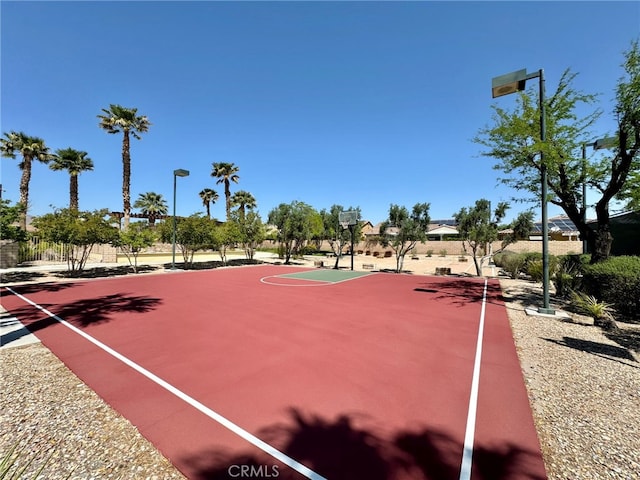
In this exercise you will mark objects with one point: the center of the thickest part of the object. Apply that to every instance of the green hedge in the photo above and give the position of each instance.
(615, 281)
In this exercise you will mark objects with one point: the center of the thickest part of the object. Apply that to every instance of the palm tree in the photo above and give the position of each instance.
(243, 200)
(208, 197)
(226, 173)
(152, 205)
(75, 162)
(31, 148)
(120, 119)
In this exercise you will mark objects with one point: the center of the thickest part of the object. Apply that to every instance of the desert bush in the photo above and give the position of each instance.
(567, 279)
(601, 312)
(308, 249)
(615, 281)
(513, 264)
(498, 258)
(574, 263)
(533, 265)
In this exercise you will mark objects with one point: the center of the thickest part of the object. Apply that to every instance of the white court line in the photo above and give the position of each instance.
(312, 282)
(467, 452)
(265, 447)
(318, 283)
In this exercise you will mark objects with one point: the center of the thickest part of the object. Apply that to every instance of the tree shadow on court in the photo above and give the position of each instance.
(84, 312)
(603, 350)
(343, 449)
(461, 291)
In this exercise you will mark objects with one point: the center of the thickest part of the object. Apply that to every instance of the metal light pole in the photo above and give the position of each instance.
(505, 85)
(599, 144)
(176, 173)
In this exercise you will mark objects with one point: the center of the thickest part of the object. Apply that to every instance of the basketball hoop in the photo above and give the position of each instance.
(347, 219)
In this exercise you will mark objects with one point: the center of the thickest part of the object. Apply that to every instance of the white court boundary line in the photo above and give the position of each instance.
(469, 436)
(265, 447)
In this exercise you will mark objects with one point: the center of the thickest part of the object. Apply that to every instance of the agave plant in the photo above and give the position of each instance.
(601, 312)
(9, 469)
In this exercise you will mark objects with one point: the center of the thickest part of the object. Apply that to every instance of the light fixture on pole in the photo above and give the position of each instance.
(505, 85)
(176, 173)
(599, 144)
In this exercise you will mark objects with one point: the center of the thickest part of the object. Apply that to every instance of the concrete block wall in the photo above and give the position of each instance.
(9, 254)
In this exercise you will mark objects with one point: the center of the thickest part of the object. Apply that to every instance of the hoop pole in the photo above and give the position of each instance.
(352, 230)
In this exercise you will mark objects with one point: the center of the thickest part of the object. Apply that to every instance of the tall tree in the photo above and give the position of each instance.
(627, 112)
(226, 173)
(403, 230)
(208, 197)
(478, 228)
(30, 148)
(243, 200)
(521, 227)
(193, 233)
(78, 231)
(152, 205)
(252, 231)
(133, 241)
(514, 141)
(117, 119)
(75, 162)
(297, 224)
(9, 216)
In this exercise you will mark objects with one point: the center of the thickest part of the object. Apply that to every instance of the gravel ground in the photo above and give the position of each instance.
(584, 390)
(584, 387)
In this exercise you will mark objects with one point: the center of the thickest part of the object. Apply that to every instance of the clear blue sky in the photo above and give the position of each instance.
(353, 103)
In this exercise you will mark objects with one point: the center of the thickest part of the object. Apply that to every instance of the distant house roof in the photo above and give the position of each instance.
(625, 218)
(558, 224)
(447, 221)
(442, 230)
(375, 230)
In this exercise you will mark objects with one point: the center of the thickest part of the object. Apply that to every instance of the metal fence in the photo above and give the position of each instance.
(38, 250)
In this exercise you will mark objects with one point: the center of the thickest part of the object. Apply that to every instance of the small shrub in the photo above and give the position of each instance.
(566, 280)
(533, 268)
(563, 283)
(616, 281)
(533, 265)
(308, 250)
(29, 462)
(443, 253)
(601, 312)
(429, 253)
(513, 264)
(498, 258)
(574, 263)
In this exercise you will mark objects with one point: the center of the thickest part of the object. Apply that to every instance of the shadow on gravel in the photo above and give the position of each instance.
(236, 262)
(627, 337)
(610, 352)
(102, 272)
(20, 277)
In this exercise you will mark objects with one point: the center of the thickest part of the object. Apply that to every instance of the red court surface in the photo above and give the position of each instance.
(369, 378)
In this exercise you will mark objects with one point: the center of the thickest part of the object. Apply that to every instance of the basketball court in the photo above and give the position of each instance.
(277, 371)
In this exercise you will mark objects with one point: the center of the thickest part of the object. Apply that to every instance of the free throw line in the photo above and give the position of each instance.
(265, 447)
(312, 282)
(467, 452)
